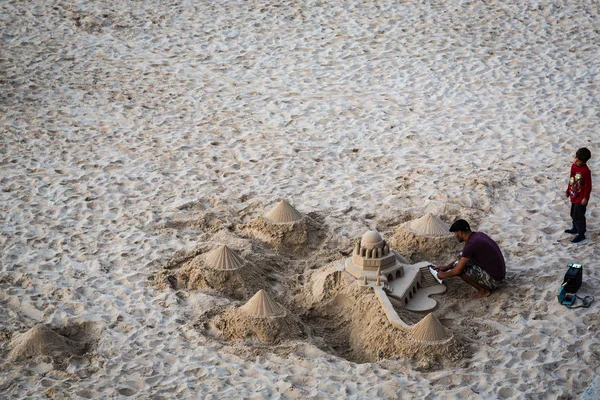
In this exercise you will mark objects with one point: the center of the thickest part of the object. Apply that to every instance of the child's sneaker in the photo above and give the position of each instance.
(578, 239)
(572, 231)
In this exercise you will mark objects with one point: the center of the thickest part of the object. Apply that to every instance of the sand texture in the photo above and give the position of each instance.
(137, 137)
(425, 238)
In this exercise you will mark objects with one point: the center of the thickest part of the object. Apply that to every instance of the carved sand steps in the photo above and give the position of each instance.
(426, 278)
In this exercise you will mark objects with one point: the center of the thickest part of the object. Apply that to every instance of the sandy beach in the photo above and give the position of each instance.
(136, 137)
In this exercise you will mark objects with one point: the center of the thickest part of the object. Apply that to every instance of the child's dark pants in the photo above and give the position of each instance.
(578, 216)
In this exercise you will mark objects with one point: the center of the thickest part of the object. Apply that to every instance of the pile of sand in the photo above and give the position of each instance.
(221, 271)
(43, 341)
(425, 239)
(285, 228)
(260, 319)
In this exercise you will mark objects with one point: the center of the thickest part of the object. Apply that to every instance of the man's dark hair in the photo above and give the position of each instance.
(583, 154)
(460, 225)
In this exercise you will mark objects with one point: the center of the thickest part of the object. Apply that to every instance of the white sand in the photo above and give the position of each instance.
(114, 115)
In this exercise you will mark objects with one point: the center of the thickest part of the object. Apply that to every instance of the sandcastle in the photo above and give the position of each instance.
(285, 227)
(284, 213)
(373, 263)
(262, 319)
(423, 238)
(430, 331)
(261, 305)
(221, 270)
(373, 258)
(376, 265)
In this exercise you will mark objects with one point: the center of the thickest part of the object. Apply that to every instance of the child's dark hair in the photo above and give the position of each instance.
(583, 154)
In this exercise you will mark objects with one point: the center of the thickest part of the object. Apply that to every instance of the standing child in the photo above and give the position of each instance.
(578, 191)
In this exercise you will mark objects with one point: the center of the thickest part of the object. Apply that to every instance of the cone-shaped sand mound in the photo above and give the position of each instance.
(286, 228)
(261, 305)
(425, 239)
(283, 212)
(261, 319)
(224, 258)
(430, 330)
(429, 225)
(41, 340)
(219, 271)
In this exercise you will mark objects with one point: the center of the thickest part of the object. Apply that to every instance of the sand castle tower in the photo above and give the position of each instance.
(262, 319)
(373, 258)
(223, 258)
(283, 213)
(261, 305)
(223, 271)
(428, 225)
(425, 238)
(284, 226)
(430, 331)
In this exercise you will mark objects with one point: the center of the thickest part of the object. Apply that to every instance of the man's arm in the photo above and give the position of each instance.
(458, 270)
(444, 267)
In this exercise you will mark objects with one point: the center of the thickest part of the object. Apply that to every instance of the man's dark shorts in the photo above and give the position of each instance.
(479, 275)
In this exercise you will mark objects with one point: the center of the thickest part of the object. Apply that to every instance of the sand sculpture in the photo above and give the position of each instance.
(430, 331)
(428, 225)
(284, 213)
(223, 258)
(284, 226)
(261, 305)
(373, 257)
(375, 264)
(262, 319)
(221, 270)
(424, 238)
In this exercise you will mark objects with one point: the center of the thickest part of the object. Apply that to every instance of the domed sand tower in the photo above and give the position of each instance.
(372, 257)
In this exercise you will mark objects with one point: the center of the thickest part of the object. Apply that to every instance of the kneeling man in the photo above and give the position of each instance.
(481, 263)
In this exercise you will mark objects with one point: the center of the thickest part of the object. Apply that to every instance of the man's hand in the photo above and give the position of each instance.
(584, 202)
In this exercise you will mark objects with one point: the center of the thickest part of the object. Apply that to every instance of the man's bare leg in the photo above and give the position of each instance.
(481, 291)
